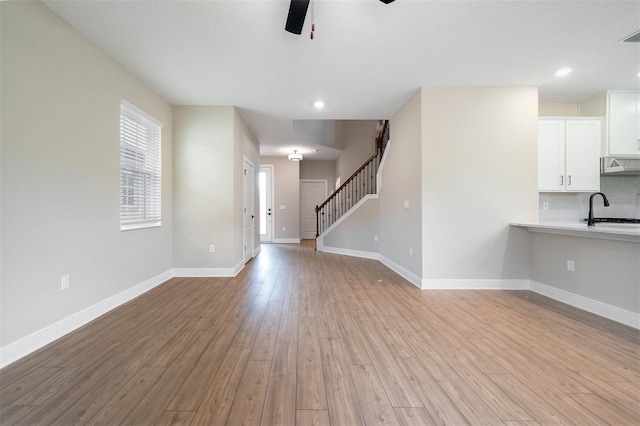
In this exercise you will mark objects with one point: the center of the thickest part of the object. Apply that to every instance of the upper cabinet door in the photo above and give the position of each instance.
(551, 155)
(624, 124)
(582, 139)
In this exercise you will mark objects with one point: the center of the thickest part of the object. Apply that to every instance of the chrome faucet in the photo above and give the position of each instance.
(590, 221)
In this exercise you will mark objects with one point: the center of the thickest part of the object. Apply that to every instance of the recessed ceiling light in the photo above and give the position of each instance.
(563, 71)
(318, 104)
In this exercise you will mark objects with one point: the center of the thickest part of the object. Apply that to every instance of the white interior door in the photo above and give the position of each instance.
(312, 193)
(265, 180)
(248, 209)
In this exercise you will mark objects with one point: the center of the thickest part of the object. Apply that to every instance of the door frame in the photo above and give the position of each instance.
(326, 194)
(272, 167)
(251, 200)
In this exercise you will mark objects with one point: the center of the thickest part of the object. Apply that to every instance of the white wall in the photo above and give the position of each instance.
(401, 228)
(286, 188)
(60, 107)
(479, 172)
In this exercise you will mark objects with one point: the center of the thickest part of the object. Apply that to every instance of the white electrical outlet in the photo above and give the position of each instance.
(284, 228)
(212, 248)
(571, 266)
(375, 238)
(410, 251)
(64, 282)
(405, 204)
(283, 207)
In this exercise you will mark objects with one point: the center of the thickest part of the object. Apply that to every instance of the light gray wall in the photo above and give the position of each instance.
(319, 170)
(60, 108)
(250, 149)
(357, 231)
(207, 187)
(479, 171)
(606, 271)
(401, 228)
(286, 188)
(359, 143)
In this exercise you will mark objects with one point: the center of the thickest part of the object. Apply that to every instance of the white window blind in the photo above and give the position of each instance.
(140, 168)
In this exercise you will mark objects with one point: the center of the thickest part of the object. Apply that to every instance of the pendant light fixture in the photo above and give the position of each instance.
(295, 156)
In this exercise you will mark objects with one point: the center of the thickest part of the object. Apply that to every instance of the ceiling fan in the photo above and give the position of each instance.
(297, 13)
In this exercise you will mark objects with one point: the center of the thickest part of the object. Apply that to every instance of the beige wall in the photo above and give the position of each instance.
(359, 143)
(251, 150)
(319, 170)
(60, 103)
(400, 228)
(479, 171)
(209, 144)
(557, 109)
(286, 184)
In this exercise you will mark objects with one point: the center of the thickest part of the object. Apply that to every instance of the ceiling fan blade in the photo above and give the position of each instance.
(297, 13)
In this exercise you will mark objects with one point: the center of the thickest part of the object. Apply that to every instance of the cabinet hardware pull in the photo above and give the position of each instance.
(561, 180)
(569, 180)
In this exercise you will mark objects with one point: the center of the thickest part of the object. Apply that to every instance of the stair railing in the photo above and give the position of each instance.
(362, 182)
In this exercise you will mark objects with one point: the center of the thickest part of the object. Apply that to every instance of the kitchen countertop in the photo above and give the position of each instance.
(608, 231)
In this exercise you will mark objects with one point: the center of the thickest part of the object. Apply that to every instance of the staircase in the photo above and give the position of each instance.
(364, 181)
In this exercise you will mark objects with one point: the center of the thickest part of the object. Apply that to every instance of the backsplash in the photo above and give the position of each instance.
(623, 193)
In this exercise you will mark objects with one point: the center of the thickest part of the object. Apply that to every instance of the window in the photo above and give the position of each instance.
(140, 169)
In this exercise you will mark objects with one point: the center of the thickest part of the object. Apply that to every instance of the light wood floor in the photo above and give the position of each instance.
(306, 338)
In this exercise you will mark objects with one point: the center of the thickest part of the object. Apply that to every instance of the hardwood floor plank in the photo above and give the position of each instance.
(175, 418)
(265, 341)
(610, 411)
(311, 393)
(413, 416)
(123, 402)
(344, 408)
(288, 329)
(374, 403)
(393, 379)
(249, 400)
(190, 394)
(218, 399)
(12, 414)
(437, 403)
(312, 418)
(150, 407)
(280, 400)
(20, 387)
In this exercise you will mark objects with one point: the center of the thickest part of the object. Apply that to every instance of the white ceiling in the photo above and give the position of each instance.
(366, 59)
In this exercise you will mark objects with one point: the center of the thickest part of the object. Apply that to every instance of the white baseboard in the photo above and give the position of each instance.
(404, 273)
(474, 284)
(350, 252)
(34, 341)
(208, 272)
(286, 240)
(256, 250)
(605, 310)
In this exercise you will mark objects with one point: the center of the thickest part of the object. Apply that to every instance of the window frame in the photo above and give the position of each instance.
(141, 168)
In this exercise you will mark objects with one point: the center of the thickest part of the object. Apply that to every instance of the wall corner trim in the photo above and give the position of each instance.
(605, 310)
(28, 344)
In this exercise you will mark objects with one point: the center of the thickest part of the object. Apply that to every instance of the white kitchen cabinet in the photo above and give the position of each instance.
(624, 123)
(568, 155)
